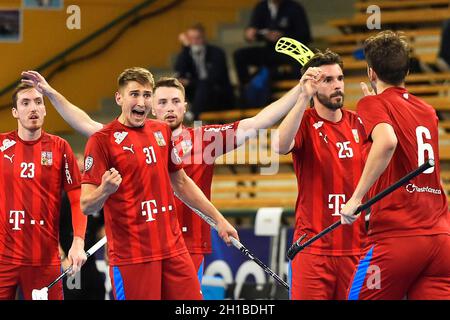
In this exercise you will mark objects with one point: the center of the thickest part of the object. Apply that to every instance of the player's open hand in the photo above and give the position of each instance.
(226, 230)
(35, 79)
(348, 211)
(77, 257)
(365, 89)
(311, 80)
(111, 181)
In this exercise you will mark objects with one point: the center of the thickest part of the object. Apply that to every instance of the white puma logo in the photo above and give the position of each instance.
(9, 158)
(128, 148)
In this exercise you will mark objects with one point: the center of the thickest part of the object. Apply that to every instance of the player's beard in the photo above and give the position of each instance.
(326, 101)
(175, 124)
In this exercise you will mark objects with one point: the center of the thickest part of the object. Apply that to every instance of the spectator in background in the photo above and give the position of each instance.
(444, 51)
(271, 20)
(90, 285)
(202, 69)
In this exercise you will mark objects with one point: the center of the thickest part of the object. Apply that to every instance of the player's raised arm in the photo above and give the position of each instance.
(190, 193)
(73, 115)
(283, 138)
(268, 116)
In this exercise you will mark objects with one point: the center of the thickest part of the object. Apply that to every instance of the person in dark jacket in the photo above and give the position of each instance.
(202, 69)
(271, 20)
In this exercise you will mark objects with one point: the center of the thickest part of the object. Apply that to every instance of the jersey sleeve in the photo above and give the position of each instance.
(71, 172)
(298, 139)
(96, 161)
(373, 111)
(220, 138)
(174, 162)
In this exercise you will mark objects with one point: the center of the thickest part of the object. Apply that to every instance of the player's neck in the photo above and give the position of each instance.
(29, 135)
(328, 114)
(177, 131)
(382, 86)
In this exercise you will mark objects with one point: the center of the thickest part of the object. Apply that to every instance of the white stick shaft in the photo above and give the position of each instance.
(211, 223)
(100, 243)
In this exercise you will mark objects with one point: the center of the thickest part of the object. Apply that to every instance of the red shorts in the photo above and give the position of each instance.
(29, 278)
(199, 262)
(168, 279)
(415, 268)
(317, 277)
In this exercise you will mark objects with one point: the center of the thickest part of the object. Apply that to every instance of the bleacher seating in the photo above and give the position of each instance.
(237, 184)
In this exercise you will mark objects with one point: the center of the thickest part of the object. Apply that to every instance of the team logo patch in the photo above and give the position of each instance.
(318, 124)
(159, 138)
(88, 162)
(7, 144)
(355, 135)
(120, 136)
(186, 146)
(46, 158)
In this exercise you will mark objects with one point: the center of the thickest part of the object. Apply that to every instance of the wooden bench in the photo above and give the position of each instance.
(424, 17)
(355, 38)
(348, 49)
(253, 191)
(406, 4)
(352, 80)
(351, 64)
(439, 103)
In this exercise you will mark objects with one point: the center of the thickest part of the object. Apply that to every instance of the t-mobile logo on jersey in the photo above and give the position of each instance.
(149, 208)
(16, 218)
(336, 202)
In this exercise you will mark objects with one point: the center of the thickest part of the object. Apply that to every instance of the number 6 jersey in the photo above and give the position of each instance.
(420, 206)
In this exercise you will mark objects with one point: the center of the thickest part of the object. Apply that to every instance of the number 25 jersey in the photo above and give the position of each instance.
(328, 163)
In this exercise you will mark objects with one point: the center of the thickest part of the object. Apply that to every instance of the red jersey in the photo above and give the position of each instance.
(328, 163)
(140, 217)
(420, 207)
(33, 175)
(199, 147)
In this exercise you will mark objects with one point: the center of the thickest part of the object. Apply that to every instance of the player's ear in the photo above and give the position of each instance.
(185, 107)
(118, 97)
(153, 111)
(371, 74)
(15, 114)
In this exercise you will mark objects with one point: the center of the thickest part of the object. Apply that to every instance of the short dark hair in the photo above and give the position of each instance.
(323, 58)
(388, 54)
(20, 87)
(170, 82)
(138, 74)
(198, 27)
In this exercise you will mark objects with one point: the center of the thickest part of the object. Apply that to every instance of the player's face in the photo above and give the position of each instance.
(331, 91)
(135, 100)
(169, 106)
(30, 111)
